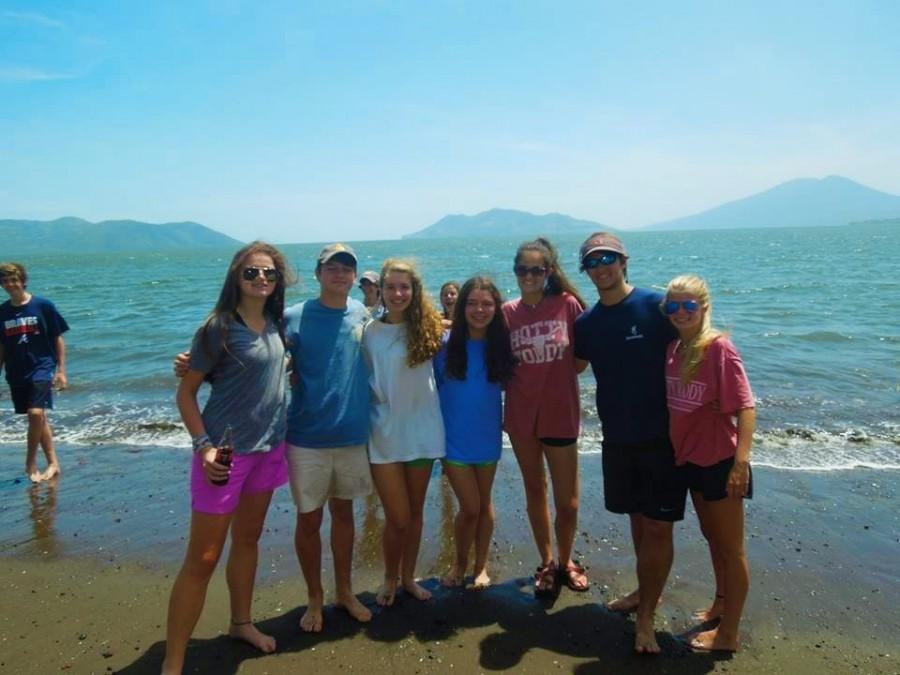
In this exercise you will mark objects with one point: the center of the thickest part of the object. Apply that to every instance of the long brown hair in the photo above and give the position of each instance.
(498, 355)
(423, 322)
(230, 295)
(557, 281)
(694, 350)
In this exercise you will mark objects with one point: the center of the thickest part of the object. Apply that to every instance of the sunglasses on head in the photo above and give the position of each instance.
(608, 258)
(251, 273)
(524, 271)
(690, 306)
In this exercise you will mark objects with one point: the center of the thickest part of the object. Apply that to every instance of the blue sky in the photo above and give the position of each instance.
(309, 121)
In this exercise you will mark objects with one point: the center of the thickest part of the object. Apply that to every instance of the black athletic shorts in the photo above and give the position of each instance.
(32, 395)
(555, 442)
(710, 481)
(642, 478)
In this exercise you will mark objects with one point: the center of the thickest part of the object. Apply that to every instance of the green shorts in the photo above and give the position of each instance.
(463, 465)
(420, 463)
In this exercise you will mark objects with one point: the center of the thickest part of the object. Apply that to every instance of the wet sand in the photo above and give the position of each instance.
(86, 565)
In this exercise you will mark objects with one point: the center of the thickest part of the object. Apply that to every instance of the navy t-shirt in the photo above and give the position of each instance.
(626, 346)
(29, 339)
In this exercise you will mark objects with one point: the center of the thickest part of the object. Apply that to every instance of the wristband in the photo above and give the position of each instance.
(201, 442)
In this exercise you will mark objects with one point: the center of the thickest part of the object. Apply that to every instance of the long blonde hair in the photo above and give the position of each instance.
(694, 350)
(423, 322)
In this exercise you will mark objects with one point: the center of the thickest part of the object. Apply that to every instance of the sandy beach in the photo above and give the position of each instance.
(86, 565)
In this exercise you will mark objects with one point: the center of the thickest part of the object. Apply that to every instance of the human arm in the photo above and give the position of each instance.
(580, 365)
(181, 364)
(739, 477)
(186, 400)
(59, 378)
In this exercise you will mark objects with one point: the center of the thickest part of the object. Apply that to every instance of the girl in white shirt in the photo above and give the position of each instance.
(407, 432)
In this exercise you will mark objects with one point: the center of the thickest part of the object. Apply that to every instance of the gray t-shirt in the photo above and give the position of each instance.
(248, 385)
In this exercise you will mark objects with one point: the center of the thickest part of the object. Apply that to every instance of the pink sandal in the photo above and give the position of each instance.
(545, 579)
(574, 577)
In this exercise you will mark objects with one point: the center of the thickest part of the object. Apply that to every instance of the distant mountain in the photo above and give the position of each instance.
(505, 223)
(74, 235)
(804, 202)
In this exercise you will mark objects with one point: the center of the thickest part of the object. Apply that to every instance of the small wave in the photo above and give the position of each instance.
(825, 336)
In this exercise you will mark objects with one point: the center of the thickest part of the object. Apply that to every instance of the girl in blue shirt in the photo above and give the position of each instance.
(470, 370)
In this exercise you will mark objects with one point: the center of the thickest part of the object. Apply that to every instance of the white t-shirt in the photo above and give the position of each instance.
(406, 411)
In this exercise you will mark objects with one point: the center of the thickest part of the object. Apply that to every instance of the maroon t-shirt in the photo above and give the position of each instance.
(700, 434)
(542, 398)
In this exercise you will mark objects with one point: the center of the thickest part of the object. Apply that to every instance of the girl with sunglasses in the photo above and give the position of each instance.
(407, 430)
(239, 350)
(711, 423)
(471, 370)
(542, 415)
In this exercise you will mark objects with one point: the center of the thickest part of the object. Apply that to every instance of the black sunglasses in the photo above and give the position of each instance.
(251, 273)
(524, 271)
(607, 258)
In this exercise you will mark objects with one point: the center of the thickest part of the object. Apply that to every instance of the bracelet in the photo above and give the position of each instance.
(200, 442)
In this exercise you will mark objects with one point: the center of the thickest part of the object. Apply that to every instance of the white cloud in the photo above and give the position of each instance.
(32, 17)
(29, 74)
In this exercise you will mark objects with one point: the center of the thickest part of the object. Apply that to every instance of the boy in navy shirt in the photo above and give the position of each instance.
(33, 351)
(624, 336)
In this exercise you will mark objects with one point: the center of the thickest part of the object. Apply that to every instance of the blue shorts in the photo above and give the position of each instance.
(31, 395)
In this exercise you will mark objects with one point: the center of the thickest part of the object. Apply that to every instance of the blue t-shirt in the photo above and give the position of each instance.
(330, 400)
(471, 408)
(626, 345)
(29, 339)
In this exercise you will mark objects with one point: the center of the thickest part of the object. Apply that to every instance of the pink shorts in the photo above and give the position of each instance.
(251, 474)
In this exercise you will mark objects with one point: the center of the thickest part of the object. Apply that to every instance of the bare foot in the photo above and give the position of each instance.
(33, 474)
(645, 639)
(482, 580)
(50, 472)
(713, 612)
(311, 621)
(351, 604)
(714, 641)
(385, 595)
(251, 634)
(412, 587)
(626, 604)
(454, 578)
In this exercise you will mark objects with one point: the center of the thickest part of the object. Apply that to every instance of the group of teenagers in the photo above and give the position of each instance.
(379, 392)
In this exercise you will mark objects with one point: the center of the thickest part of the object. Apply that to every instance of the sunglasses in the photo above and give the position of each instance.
(523, 271)
(251, 273)
(690, 306)
(607, 258)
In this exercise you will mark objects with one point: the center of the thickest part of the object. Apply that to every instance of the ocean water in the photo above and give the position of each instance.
(814, 312)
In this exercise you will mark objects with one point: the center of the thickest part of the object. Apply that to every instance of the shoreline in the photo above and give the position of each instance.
(96, 555)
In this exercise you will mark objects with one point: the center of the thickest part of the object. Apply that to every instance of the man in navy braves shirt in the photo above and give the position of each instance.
(34, 354)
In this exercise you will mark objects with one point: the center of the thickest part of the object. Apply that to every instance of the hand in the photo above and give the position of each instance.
(60, 381)
(739, 480)
(181, 364)
(213, 470)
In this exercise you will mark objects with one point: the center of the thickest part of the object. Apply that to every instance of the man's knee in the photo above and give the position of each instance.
(309, 524)
(36, 416)
(657, 530)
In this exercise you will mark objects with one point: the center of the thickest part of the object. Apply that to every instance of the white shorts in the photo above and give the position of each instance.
(317, 474)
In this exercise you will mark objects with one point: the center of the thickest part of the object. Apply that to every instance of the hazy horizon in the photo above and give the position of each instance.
(370, 122)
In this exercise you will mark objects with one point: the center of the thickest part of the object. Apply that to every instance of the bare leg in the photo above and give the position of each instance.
(36, 419)
(485, 477)
(49, 451)
(207, 538)
(246, 529)
(714, 611)
(342, 532)
(417, 479)
(531, 464)
(629, 603)
(654, 563)
(465, 526)
(563, 463)
(725, 524)
(390, 482)
(308, 543)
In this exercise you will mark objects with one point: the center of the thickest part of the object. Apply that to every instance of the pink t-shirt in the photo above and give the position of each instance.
(542, 398)
(701, 435)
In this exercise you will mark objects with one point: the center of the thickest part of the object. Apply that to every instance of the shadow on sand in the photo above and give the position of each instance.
(521, 623)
